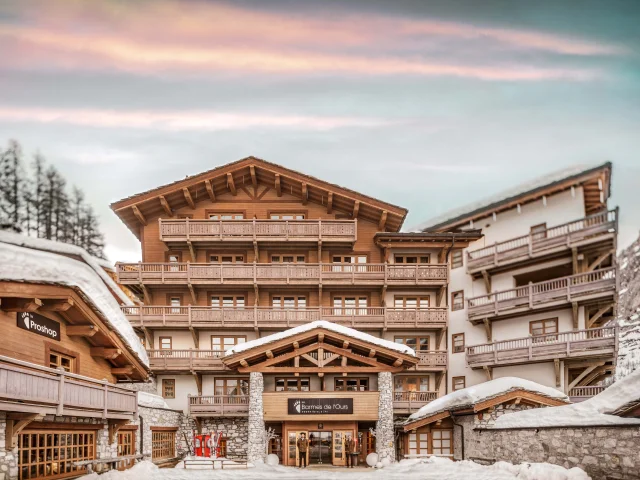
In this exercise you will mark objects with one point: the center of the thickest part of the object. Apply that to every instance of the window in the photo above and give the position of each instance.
(169, 388)
(418, 443)
(223, 343)
(226, 258)
(539, 231)
(411, 383)
(173, 258)
(356, 305)
(457, 340)
(441, 442)
(292, 384)
(228, 301)
(457, 300)
(231, 389)
(457, 259)
(411, 302)
(417, 343)
(185, 215)
(53, 453)
(412, 258)
(289, 302)
(163, 443)
(286, 216)
(351, 384)
(61, 360)
(346, 263)
(175, 302)
(165, 343)
(226, 216)
(126, 447)
(545, 328)
(288, 259)
(457, 383)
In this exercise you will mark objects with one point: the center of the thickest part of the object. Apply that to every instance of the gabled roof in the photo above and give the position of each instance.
(252, 171)
(595, 179)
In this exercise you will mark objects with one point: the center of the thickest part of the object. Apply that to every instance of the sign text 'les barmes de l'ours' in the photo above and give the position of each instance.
(36, 323)
(320, 406)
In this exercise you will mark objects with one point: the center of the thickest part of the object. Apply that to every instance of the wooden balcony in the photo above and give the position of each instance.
(219, 405)
(272, 318)
(410, 402)
(432, 360)
(597, 342)
(186, 360)
(185, 230)
(553, 240)
(30, 388)
(282, 274)
(544, 295)
(580, 394)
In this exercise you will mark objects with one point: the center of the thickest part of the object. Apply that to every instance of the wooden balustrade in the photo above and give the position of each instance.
(600, 342)
(186, 360)
(268, 317)
(432, 358)
(281, 274)
(31, 388)
(541, 242)
(219, 405)
(189, 230)
(579, 394)
(559, 290)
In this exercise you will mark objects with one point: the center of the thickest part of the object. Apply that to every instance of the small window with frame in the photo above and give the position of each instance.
(544, 330)
(293, 384)
(347, 384)
(64, 361)
(411, 302)
(225, 215)
(458, 383)
(349, 263)
(225, 342)
(457, 300)
(286, 216)
(418, 344)
(457, 259)
(169, 387)
(226, 258)
(538, 232)
(350, 305)
(457, 340)
(289, 302)
(228, 301)
(288, 258)
(166, 343)
(412, 259)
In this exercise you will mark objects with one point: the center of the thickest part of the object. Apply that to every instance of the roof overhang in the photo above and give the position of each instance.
(250, 172)
(447, 240)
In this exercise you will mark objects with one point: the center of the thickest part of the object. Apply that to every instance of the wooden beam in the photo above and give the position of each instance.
(165, 206)
(574, 260)
(584, 373)
(372, 353)
(340, 369)
(320, 337)
(138, 214)
(439, 379)
(231, 185)
(343, 361)
(82, 330)
(254, 179)
(556, 367)
(321, 374)
(398, 362)
(356, 209)
(128, 370)
(440, 294)
(487, 281)
(10, 304)
(575, 314)
(269, 354)
(108, 353)
(278, 185)
(15, 423)
(210, 192)
(308, 357)
(193, 294)
(330, 202)
(296, 345)
(383, 220)
(489, 372)
(598, 314)
(244, 363)
(192, 251)
(61, 305)
(345, 344)
(198, 378)
(305, 194)
(148, 335)
(188, 198)
(598, 261)
(195, 336)
(487, 328)
(114, 426)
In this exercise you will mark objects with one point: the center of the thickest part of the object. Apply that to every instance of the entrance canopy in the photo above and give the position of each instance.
(320, 347)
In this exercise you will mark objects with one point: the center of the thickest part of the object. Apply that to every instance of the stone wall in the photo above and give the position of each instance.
(603, 452)
(235, 430)
(150, 386)
(257, 446)
(385, 446)
(161, 417)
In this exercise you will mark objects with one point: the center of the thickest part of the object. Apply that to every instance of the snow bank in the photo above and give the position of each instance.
(350, 332)
(18, 263)
(594, 411)
(151, 400)
(484, 391)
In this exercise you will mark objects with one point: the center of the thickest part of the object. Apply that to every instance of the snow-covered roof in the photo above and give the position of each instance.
(470, 396)
(506, 195)
(597, 410)
(98, 264)
(350, 332)
(151, 400)
(29, 264)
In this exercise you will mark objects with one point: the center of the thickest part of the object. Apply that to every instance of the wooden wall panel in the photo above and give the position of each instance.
(365, 406)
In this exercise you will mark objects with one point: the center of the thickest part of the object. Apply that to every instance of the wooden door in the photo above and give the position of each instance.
(339, 455)
(292, 447)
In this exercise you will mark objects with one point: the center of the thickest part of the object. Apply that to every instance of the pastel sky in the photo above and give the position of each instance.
(425, 104)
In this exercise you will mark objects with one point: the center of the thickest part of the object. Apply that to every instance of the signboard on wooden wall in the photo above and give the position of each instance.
(320, 406)
(35, 323)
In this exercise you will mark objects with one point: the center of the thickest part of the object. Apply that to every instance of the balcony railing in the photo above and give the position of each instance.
(583, 231)
(188, 230)
(432, 359)
(409, 402)
(559, 290)
(56, 392)
(219, 405)
(268, 317)
(281, 274)
(598, 342)
(185, 359)
(580, 394)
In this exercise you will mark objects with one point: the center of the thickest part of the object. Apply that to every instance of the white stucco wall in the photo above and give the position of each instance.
(185, 385)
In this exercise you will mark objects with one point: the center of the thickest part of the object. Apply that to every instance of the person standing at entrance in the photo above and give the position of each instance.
(303, 445)
(349, 450)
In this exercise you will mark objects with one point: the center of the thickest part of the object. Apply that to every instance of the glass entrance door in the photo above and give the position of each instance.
(320, 444)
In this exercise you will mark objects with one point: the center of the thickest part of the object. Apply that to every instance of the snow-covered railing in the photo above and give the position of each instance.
(283, 273)
(564, 288)
(218, 405)
(576, 343)
(579, 394)
(538, 242)
(249, 317)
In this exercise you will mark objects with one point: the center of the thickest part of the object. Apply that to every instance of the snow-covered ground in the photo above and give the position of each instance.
(424, 469)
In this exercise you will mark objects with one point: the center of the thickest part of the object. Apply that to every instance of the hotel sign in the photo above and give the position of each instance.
(36, 323)
(320, 406)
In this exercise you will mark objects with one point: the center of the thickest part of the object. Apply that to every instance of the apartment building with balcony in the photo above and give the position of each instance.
(249, 249)
(534, 296)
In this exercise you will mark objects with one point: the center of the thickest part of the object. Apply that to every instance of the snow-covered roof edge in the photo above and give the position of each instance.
(95, 263)
(350, 332)
(508, 195)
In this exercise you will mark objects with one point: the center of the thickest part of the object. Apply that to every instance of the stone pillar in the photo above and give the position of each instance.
(385, 446)
(257, 447)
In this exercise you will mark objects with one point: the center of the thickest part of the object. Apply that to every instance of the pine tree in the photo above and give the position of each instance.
(11, 183)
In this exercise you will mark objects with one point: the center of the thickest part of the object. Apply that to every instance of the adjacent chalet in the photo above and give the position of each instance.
(535, 295)
(263, 289)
